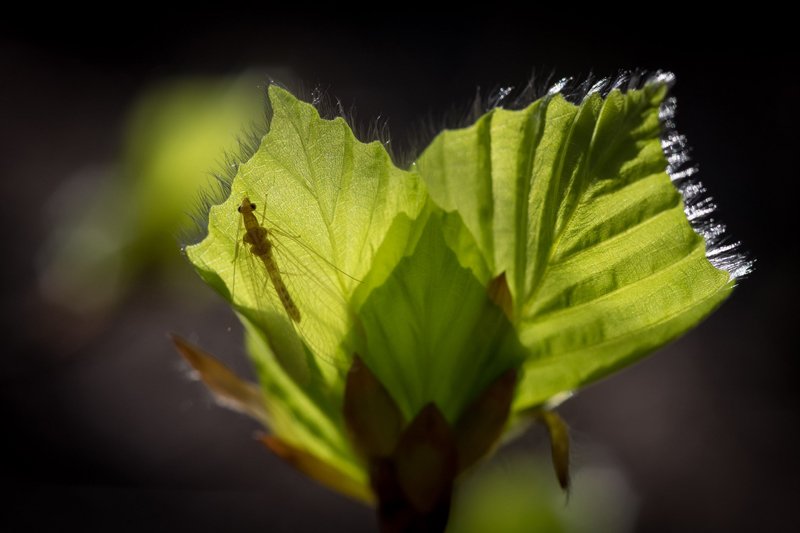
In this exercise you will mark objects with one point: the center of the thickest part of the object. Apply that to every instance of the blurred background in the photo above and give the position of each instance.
(103, 430)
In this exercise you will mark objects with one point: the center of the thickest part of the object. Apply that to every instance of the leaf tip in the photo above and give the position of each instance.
(500, 294)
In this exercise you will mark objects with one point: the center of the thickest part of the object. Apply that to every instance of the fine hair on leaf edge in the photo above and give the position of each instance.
(721, 250)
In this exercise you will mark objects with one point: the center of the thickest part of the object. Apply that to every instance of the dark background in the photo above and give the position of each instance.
(111, 436)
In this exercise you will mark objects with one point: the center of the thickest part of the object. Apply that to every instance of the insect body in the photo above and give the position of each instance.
(257, 237)
(310, 292)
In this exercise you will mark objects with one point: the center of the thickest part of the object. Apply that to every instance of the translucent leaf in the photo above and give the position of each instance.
(574, 205)
(328, 198)
(328, 203)
(431, 332)
(553, 246)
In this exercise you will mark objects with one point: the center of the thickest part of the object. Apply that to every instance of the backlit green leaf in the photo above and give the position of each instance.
(574, 204)
(548, 244)
(329, 202)
(433, 334)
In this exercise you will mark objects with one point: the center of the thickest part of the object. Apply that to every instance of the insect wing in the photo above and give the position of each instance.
(319, 291)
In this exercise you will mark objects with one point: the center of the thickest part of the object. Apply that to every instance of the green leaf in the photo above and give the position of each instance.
(328, 202)
(431, 332)
(547, 243)
(573, 203)
(306, 416)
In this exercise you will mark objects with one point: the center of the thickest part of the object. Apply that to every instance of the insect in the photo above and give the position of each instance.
(285, 280)
(257, 237)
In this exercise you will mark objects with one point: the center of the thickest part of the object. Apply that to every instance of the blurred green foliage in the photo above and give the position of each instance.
(124, 220)
(516, 493)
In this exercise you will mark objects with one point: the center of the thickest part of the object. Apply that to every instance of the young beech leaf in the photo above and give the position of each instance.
(307, 417)
(573, 203)
(328, 202)
(518, 259)
(318, 470)
(432, 333)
